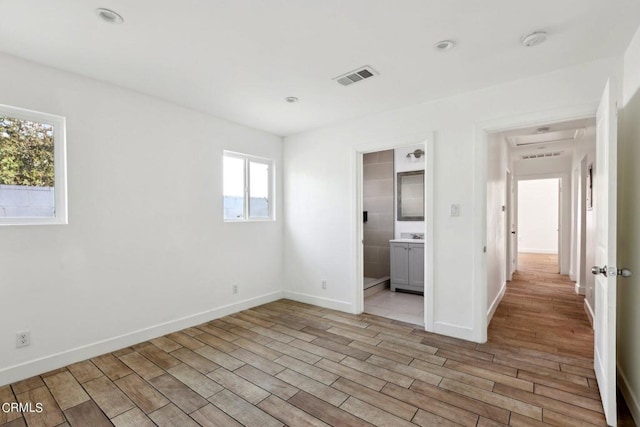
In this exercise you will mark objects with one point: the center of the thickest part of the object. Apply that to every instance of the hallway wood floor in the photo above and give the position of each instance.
(541, 311)
(296, 364)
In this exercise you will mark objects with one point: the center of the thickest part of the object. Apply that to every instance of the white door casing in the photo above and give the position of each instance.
(605, 199)
(510, 232)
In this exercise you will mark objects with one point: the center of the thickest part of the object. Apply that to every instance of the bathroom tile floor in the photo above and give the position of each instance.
(401, 306)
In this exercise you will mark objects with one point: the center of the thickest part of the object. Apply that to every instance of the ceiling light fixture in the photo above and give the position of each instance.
(291, 99)
(108, 15)
(444, 45)
(534, 39)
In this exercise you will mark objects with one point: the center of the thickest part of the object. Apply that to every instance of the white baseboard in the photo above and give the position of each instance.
(319, 301)
(538, 251)
(630, 398)
(496, 302)
(589, 311)
(580, 290)
(456, 331)
(54, 361)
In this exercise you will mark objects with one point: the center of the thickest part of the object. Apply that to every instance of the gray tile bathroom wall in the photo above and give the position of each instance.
(378, 201)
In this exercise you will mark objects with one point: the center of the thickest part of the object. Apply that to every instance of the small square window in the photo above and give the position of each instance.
(247, 187)
(32, 168)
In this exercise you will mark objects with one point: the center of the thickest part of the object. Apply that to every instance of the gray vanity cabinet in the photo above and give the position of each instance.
(407, 266)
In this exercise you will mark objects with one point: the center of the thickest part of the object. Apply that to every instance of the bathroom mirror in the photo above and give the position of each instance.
(410, 196)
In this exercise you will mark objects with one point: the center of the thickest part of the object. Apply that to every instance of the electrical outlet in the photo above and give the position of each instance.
(23, 339)
(324, 284)
(234, 289)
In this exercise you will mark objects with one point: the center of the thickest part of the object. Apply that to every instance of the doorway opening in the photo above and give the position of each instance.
(378, 201)
(538, 222)
(537, 229)
(392, 197)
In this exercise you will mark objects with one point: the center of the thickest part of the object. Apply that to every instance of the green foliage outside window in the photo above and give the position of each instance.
(26, 153)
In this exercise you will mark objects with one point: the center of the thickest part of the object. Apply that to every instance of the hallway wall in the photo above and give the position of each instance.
(497, 164)
(585, 155)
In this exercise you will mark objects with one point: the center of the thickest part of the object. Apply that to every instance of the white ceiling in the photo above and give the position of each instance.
(239, 59)
(585, 128)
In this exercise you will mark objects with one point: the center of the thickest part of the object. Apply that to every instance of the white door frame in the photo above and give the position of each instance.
(509, 226)
(581, 264)
(358, 152)
(481, 131)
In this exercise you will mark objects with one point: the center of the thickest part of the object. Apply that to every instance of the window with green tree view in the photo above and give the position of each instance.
(32, 167)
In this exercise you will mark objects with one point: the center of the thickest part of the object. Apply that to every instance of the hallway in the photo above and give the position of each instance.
(541, 311)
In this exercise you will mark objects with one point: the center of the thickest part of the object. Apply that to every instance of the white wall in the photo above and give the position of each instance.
(402, 163)
(629, 231)
(320, 189)
(584, 156)
(145, 251)
(538, 216)
(496, 217)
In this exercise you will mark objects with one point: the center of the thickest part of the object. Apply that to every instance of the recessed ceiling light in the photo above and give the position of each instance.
(291, 99)
(108, 15)
(445, 45)
(534, 39)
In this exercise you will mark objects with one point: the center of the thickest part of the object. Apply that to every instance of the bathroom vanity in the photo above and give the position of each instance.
(407, 264)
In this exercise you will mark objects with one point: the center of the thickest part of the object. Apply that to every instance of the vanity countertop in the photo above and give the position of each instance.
(406, 241)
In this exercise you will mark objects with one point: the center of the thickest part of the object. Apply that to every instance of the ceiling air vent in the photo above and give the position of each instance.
(541, 155)
(545, 137)
(355, 76)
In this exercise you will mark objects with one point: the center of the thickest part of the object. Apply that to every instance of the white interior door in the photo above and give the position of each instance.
(605, 198)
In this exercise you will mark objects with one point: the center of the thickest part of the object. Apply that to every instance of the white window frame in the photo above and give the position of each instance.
(60, 166)
(247, 158)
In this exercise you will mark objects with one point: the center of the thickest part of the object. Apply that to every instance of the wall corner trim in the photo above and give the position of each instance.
(30, 368)
(589, 311)
(457, 331)
(496, 302)
(320, 301)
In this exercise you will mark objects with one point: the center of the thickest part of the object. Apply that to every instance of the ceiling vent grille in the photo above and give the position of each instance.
(547, 137)
(542, 155)
(356, 76)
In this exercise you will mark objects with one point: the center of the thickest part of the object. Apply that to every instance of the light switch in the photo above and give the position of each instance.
(455, 209)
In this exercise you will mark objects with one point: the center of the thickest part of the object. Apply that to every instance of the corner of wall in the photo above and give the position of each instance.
(332, 304)
(632, 401)
(496, 302)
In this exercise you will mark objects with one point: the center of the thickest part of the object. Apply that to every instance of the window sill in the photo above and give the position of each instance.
(32, 221)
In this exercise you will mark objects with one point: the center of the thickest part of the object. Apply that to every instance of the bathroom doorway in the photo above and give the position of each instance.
(378, 219)
(393, 195)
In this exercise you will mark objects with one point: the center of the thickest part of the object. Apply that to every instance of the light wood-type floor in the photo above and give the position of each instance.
(300, 365)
